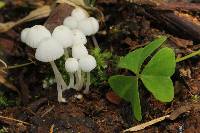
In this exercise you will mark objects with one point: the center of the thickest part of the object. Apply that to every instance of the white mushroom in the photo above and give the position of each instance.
(79, 38)
(36, 34)
(70, 22)
(89, 26)
(87, 64)
(79, 14)
(48, 51)
(79, 51)
(63, 35)
(24, 34)
(71, 66)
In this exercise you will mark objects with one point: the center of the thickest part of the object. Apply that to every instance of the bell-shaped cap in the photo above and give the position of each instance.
(36, 34)
(89, 26)
(79, 38)
(63, 35)
(79, 51)
(87, 63)
(71, 65)
(24, 34)
(70, 22)
(49, 50)
(79, 14)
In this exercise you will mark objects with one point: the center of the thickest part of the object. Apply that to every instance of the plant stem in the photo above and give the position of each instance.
(96, 45)
(87, 87)
(188, 56)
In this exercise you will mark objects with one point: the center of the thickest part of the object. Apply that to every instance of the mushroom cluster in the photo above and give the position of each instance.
(68, 39)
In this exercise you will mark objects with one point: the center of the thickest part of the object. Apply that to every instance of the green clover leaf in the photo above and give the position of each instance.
(155, 75)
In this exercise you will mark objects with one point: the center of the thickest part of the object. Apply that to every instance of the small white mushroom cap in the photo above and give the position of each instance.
(89, 26)
(79, 38)
(24, 34)
(70, 22)
(79, 14)
(36, 34)
(63, 35)
(87, 63)
(49, 50)
(79, 51)
(71, 65)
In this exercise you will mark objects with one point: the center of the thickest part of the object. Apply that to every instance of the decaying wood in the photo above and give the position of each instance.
(184, 6)
(177, 24)
(58, 15)
(169, 16)
(183, 109)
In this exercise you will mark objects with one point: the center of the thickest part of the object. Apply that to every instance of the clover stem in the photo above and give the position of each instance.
(60, 82)
(87, 87)
(96, 45)
(188, 56)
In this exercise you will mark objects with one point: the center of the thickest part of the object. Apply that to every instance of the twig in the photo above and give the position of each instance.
(49, 110)
(144, 125)
(5, 65)
(12, 119)
(15, 66)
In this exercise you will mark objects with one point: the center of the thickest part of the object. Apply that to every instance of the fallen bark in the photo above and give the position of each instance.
(58, 15)
(169, 16)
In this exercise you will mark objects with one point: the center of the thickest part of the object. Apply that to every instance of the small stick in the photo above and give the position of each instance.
(49, 110)
(146, 124)
(15, 120)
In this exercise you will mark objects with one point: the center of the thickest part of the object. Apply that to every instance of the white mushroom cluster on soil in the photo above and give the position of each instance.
(67, 39)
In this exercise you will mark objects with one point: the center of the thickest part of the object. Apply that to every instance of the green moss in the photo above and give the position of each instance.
(3, 130)
(3, 101)
(100, 73)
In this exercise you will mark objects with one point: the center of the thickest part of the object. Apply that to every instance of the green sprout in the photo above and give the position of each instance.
(155, 75)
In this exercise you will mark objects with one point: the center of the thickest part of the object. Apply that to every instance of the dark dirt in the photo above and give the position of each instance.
(96, 112)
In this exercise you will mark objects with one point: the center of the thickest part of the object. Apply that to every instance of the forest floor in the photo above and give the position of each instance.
(128, 26)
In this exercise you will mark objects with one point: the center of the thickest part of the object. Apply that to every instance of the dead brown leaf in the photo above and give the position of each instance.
(113, 98)
(38, 13)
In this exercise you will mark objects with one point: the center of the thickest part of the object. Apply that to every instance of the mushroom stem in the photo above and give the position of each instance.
(96, 45)
(66, 53)
(60, 95)
(87, 87)
(79, 80)
(58, 76)
(71, 82)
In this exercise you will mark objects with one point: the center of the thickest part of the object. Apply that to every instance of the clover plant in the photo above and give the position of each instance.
(155, 75)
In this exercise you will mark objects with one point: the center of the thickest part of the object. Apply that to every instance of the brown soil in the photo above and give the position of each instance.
(127, 29)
